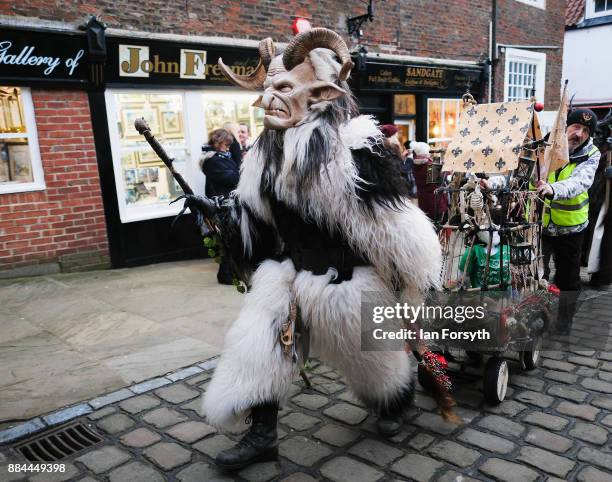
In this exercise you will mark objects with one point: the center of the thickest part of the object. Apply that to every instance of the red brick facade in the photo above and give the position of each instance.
(67, 217)
(458, 29)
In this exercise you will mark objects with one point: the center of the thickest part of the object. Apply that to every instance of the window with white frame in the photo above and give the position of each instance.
(598, 8)
(442, 119)
(524, 71)
(20, 166)
(181, 120)
(535, 3)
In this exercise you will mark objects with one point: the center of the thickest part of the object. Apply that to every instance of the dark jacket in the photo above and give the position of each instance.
(236, 152)
(408, 174)
(221, 170)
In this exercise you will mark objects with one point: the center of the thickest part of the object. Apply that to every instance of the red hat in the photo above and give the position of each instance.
(388, 130)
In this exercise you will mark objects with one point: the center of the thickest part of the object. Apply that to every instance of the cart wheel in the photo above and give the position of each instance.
(531, 356)
(424, 379)
(495, 381)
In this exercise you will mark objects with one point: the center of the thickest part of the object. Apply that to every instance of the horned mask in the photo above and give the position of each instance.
(299, 82)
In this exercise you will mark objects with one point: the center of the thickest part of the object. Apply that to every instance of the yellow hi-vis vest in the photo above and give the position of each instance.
(566, 212)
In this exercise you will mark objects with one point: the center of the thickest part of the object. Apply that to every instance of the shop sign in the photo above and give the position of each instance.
(173, 63)
(42, 56)
(417, 78)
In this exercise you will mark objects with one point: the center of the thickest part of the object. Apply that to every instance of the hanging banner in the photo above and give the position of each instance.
(489, 137)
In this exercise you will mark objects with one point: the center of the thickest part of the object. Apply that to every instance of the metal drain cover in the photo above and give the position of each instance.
(59, 444)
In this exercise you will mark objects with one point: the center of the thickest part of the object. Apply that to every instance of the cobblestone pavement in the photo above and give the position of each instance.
(556, 424)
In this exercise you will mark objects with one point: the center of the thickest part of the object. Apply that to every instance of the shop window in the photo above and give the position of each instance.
(220, 108)
(598, 8)
(442, 118)
(404, 110)
(525, 71)
(20, 166)
(181, 121)
(145, 186)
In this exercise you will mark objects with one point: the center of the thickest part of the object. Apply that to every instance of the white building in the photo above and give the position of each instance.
(587, 55)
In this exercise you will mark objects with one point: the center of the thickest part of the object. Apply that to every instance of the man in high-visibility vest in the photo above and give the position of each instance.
(566, 211)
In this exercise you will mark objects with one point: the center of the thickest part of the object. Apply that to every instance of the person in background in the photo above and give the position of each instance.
(222, 174)
(434, 208)
(392, 142)
(235, 150)
(597, 247)
(391, 139)
(566, 211)
(243, 138)
(407, 171)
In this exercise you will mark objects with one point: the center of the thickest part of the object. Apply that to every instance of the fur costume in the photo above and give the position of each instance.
(323, 183)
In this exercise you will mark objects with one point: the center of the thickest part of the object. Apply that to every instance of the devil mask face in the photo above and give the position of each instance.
(300, 81)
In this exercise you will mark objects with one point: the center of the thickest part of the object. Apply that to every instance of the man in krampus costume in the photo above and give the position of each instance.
(319, 217)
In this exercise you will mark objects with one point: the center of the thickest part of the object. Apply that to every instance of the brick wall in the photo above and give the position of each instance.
(456, 29)
(526, 25)
(66, 220)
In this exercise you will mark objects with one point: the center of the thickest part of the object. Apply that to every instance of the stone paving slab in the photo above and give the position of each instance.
(100, 331)
(556, 424)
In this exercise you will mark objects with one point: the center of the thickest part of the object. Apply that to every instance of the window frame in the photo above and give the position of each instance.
(31, 134)
(521, 55)
(435, 140)
(534, 3)
(193, 142)
(589, 10)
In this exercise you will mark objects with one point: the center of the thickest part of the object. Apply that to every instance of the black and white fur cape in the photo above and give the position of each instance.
(355, 194)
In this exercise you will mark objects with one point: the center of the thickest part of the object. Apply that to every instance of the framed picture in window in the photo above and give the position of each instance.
(130, 114)
(4, 163)
(20, 165)
(243, 111)
(148, 157)
(130, 176)
(171, 122)
(404, 104)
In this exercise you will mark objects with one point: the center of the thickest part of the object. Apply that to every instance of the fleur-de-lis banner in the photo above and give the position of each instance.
(487, 136)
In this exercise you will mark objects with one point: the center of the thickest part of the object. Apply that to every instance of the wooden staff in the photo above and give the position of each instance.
(144, 130)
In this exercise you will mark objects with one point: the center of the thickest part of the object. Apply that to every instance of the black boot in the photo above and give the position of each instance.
(258, 445)
(390, 417)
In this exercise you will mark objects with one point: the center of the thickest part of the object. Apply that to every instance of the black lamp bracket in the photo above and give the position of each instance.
(354, 23)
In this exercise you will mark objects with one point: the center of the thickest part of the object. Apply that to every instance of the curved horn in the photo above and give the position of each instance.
(298, 49)
(257, 78)
(267, 51)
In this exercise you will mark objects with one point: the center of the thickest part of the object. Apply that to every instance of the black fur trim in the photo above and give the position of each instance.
(399, 403)
(380, 169)
(265, 241)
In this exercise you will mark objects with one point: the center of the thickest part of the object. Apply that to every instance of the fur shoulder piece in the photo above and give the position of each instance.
(361, 132)
(380, 178)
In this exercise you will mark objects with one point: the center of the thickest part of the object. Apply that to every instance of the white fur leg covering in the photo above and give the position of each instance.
(333, 312)
(252, 368)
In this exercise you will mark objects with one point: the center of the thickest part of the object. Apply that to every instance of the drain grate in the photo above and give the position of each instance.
(59, 444)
